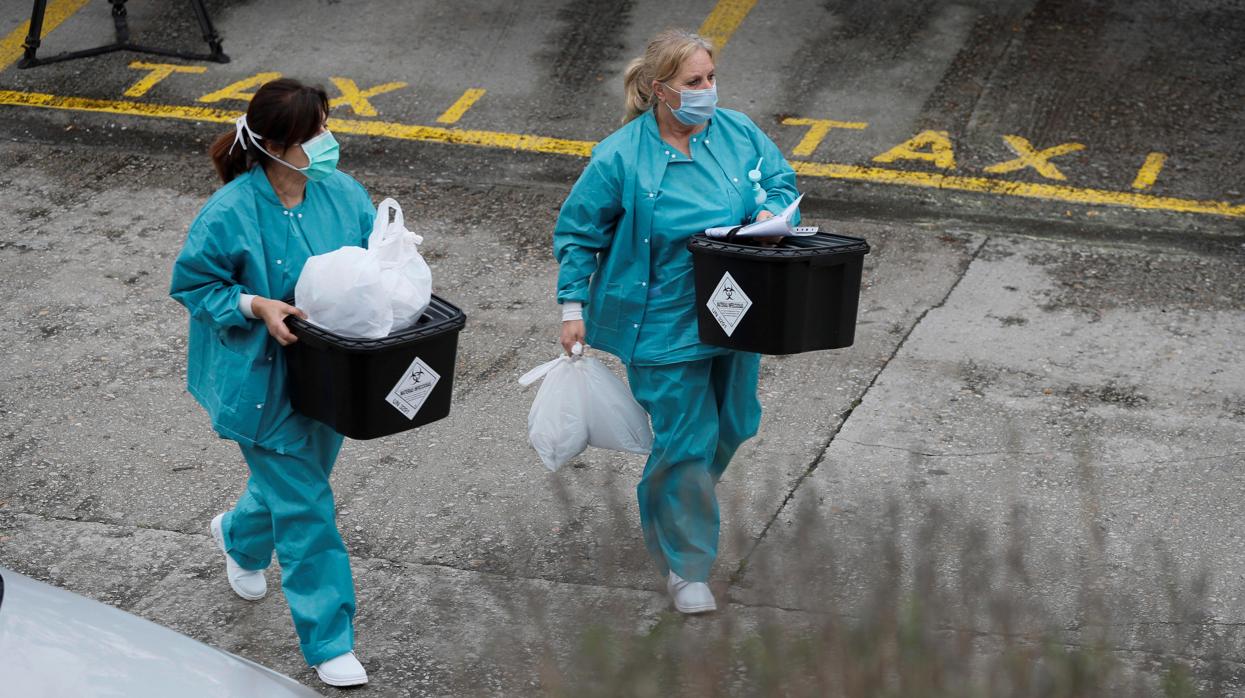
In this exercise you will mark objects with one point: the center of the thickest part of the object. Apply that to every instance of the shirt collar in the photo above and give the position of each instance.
(259, 180)
(650, 127)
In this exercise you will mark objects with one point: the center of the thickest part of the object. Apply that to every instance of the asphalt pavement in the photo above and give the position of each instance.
(1047, 359)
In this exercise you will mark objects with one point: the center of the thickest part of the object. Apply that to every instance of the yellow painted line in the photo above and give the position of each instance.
(983, 185)
(725, 18)
(563, 146)
(1039, 160)
(457, 109)
(57, 12)
(1149, 173)
(817, 132)
(157, 73)
(359, 99)
(432, 134)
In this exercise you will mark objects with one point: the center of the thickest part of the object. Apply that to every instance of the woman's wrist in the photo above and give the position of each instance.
(572, 310)
(246, 303)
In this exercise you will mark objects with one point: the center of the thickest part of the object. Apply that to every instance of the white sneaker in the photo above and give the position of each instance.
(342, 670)
(249, 584)
(690, 597)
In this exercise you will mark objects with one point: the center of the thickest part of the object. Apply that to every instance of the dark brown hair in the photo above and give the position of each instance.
(283, 112)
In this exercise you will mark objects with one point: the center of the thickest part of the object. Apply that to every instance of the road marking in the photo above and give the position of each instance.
(986, 185)
(817, 132)
(358, 99)
(57, 12)
(432, 134)
(926, 146)
(1037, 159)
(236, 90)
(159, 71)
(456, 111)
(724, 19)
(1149, 172)
(563, 146)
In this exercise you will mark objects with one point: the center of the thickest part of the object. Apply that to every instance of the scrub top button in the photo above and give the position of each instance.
(667, 152)
(645, 239)
(636, 325)
(278, 261)
(735, 179)
(300, 215)
(644, 283)
(260, 406)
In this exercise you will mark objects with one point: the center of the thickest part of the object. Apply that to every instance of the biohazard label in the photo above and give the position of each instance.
(413, 389)
(729, 304)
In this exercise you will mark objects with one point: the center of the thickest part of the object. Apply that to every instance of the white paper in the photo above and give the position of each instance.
(778, 226)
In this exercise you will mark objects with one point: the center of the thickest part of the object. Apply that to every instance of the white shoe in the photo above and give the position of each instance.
(249, 584)
(690, 597)
(342, 670)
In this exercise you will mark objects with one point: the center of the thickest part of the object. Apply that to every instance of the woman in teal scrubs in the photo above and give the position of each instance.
(283, 201)
(678, 166)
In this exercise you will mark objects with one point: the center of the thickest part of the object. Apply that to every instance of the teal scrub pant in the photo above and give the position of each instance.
(701, 411)
(288, 506)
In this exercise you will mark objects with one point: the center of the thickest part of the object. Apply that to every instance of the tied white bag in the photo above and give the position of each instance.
(582, 403)
(556, 424)
(343, 292)
(405, 273)
(368, 294)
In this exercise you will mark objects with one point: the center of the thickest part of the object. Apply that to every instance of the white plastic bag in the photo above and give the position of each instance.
(370, 293)
(582, 403)
(403, 269)
(615, 420)
(557, 425)
(343, 292)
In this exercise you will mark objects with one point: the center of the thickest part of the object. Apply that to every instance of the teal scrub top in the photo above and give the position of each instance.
(694, 190)
(611, 231)
(245, 240)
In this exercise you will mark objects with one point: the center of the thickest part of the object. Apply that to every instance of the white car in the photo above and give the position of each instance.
(56, 643)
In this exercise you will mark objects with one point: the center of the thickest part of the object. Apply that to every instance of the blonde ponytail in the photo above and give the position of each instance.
(661, 61)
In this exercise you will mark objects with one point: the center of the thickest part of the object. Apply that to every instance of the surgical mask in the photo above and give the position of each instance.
(695, 106)
(322, 151)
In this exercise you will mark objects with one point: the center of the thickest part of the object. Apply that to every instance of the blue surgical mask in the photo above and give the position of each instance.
(322, 154)
(695, 106)
(322, 151)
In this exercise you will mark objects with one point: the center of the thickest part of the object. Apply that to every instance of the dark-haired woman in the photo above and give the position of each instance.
(283, 201)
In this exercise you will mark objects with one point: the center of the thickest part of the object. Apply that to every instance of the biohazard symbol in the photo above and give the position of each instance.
(730, 293)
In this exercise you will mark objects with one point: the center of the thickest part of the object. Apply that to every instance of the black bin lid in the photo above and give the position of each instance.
(440, 317)
(792, 247)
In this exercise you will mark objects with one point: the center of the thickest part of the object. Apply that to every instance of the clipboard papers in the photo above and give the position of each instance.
(778, 226)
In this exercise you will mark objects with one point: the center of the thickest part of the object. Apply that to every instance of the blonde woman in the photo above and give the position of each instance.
(677, 166)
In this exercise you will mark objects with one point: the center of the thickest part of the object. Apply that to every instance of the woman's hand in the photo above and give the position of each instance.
(770, 241)
(273, 313)
(572, 332)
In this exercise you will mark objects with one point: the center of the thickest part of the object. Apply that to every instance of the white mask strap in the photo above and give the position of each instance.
(239, 128)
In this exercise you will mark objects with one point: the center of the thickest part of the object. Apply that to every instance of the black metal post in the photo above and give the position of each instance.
(30, 58)
(209, 32)
(119, 21)
(36, 31)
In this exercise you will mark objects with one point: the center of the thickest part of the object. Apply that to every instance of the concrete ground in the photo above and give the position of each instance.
(1045, 400)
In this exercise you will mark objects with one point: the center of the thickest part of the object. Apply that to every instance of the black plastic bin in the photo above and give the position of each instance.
(365, 388)
(798, 296)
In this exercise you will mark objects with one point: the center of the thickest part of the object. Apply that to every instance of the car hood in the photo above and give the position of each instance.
(57, 643)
